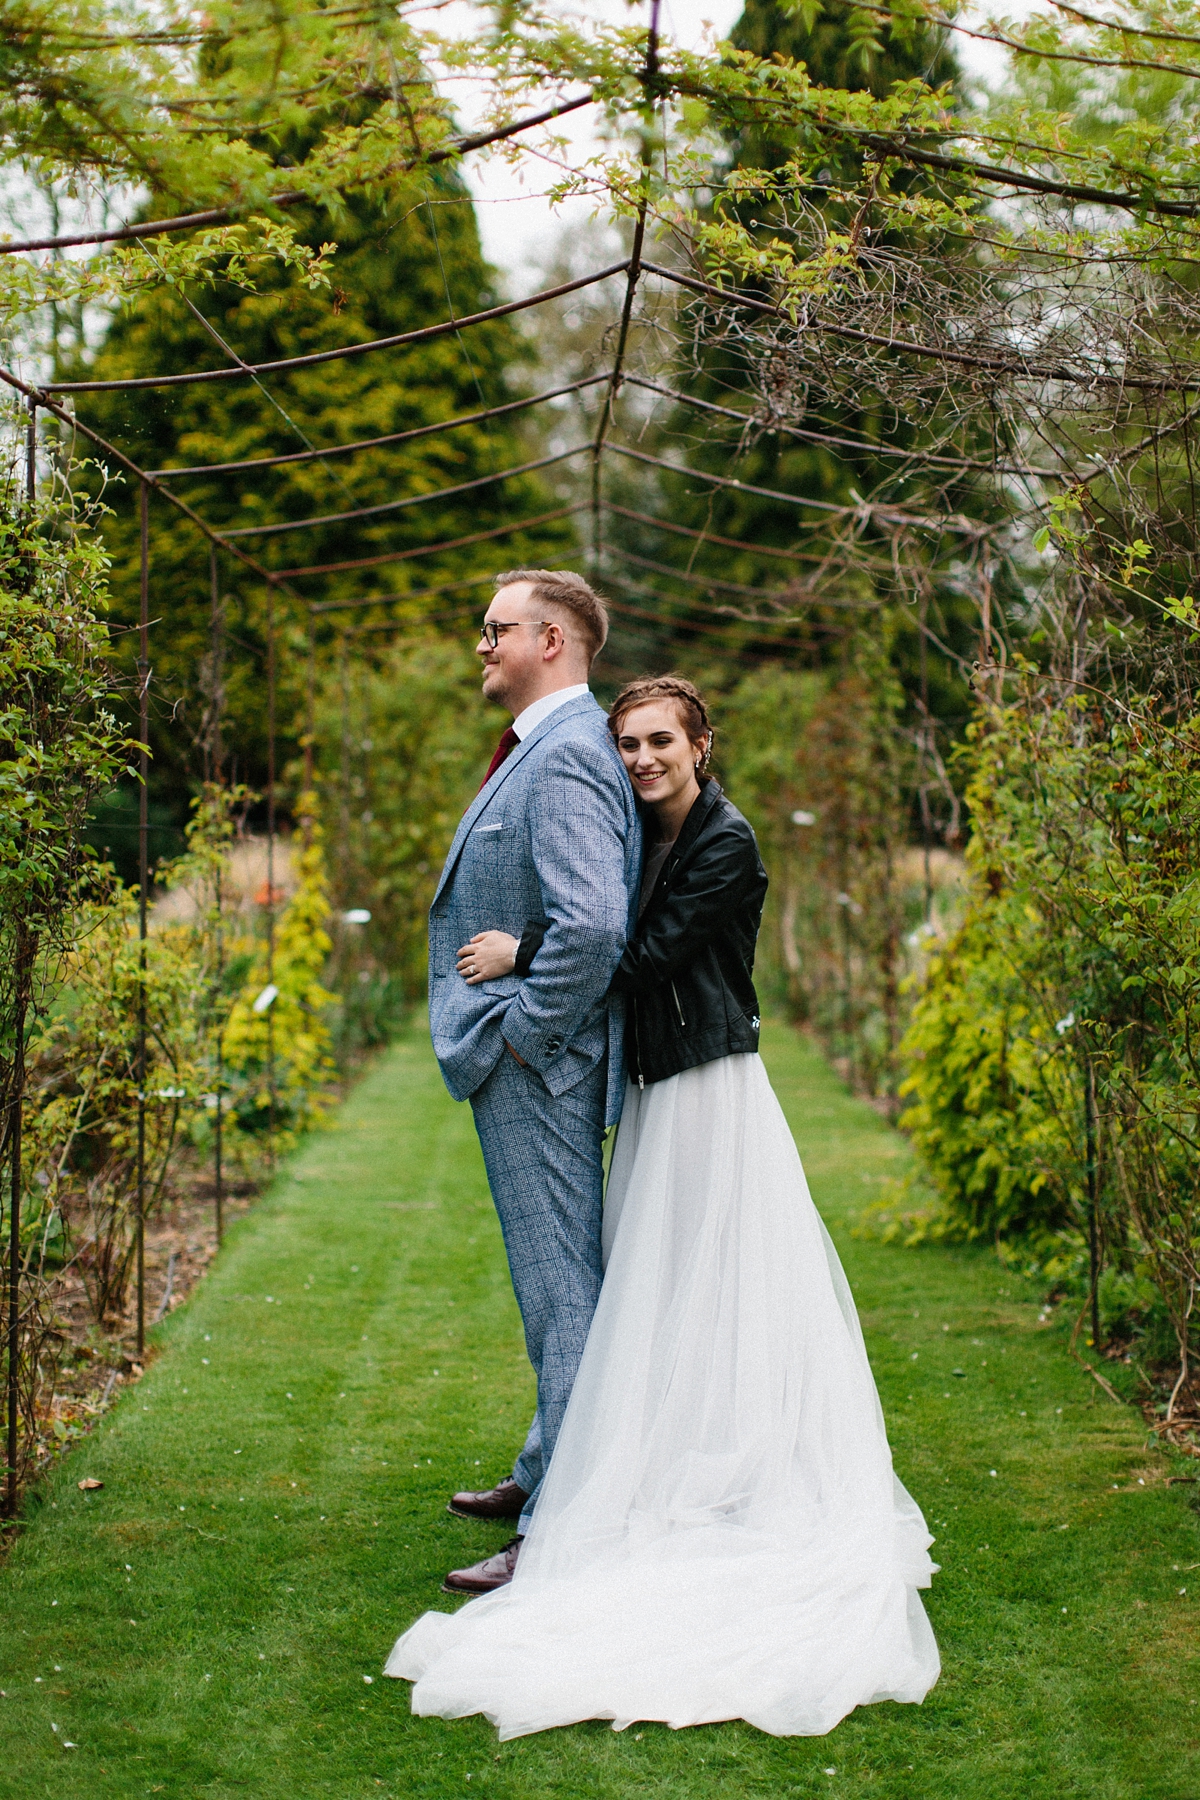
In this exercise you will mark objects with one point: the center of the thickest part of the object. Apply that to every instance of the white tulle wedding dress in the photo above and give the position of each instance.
(720, 1534)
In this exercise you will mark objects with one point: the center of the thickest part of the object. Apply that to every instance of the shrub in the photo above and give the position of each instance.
(1053, 1068)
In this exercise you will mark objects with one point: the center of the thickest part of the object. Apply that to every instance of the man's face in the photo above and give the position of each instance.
(512, 672)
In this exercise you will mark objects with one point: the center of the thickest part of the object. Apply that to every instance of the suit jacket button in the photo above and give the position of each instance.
(554, 1045)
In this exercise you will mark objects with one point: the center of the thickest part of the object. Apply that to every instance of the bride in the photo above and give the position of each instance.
(720, 1534)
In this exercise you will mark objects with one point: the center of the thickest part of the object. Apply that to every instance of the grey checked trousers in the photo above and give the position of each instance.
(545, 1166)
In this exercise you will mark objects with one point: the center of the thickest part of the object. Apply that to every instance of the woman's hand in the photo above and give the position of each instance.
(488, 955)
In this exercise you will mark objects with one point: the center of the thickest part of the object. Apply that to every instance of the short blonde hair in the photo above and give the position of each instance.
(562, 587)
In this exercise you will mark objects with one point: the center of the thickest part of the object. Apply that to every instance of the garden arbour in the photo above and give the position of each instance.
(864, 318)
(136, 990)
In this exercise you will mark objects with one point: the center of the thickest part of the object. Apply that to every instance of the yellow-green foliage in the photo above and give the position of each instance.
(1054, 1078)
(202, 975)
(283, 1053)
(991, 1107)
(80, 1114)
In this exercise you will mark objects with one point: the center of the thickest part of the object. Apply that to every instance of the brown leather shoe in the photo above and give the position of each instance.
(504, 1501)
(486, 1576)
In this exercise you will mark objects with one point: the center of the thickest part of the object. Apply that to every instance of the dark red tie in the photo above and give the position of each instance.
(504, 748)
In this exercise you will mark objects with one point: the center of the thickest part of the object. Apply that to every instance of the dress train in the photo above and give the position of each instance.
(720, 1534)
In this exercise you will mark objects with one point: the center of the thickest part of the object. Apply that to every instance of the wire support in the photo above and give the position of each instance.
(379, 443)
(392, 506)
(713, 537)
(711, 582)
(1005, 365)
(445, 587)
(224, 215)
(730, 481)
(901, 147)
(863, 509)
(401, 340)
(771, 425)
(448, 615)
(710, 627)
(459, 543)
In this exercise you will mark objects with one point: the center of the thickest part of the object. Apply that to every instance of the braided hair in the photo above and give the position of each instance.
(689, 705)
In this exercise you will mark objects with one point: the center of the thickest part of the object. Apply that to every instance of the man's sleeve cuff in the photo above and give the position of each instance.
(535, 1044)
(530, 944)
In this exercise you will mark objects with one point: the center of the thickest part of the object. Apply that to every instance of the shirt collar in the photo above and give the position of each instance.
(541, 709)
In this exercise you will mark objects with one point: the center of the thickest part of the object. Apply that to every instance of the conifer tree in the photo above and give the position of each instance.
(838, 49)
(829, 40)
(407, 257)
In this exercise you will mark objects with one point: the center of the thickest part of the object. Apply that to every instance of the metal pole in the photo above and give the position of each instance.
(271, 855)
(649, 79)
(310, 702)
(922, 756)
(214, 749)
(143, 883)
(218, 1144)
(847, 992)
(14, 1246)
(597, 518)
(843, 903)
(1093, 1191)
(344, 770)
(366, 745)
(13, 1384)
(216, 754)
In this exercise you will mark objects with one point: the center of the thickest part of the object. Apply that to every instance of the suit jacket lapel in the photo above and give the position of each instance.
(486, 795)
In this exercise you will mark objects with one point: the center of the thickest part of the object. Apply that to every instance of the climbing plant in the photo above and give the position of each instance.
(59, 745)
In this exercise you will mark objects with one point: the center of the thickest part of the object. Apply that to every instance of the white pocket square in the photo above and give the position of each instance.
(498, 826)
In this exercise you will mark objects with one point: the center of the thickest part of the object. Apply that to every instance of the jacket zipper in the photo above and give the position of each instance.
(678, 1008)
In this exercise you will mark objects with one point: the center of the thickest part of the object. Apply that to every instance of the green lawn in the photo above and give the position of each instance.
(214, 1622)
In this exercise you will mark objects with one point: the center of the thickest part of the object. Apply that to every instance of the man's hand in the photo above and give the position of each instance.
(488, 955)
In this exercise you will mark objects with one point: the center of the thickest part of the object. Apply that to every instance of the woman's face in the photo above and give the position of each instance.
(657, 751)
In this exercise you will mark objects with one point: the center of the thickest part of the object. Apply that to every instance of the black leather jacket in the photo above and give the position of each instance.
(687, 969)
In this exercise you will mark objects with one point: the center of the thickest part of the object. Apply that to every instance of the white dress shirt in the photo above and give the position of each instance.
(541, 709)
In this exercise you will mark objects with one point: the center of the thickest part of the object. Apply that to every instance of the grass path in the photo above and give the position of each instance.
(273, 1513)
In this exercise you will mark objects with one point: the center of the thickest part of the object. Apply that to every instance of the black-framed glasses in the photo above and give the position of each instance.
(491, 628)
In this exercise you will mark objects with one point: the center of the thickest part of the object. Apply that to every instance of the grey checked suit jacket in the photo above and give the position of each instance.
(554, 835)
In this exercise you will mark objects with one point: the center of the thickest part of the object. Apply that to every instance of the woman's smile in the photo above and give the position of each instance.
(646, 777)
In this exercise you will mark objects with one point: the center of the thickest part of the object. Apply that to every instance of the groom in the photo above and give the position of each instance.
(551, 842)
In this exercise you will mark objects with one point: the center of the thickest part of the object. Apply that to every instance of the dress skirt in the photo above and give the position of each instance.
(720, 1534)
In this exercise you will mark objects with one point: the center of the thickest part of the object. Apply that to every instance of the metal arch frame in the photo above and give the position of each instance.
(279, 581)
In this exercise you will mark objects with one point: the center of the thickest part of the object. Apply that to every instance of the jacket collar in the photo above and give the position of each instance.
(570, 709)
(710, 793)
